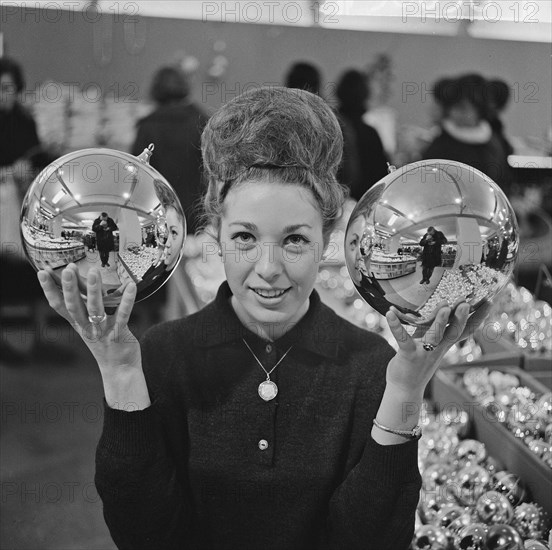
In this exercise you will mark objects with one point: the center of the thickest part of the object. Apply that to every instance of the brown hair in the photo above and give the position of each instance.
(277, 134)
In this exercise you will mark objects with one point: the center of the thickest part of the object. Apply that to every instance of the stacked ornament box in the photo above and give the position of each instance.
(519, 325)
(510, 412)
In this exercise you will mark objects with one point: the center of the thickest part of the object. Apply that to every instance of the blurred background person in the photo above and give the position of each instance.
(18, 135)
(364, 159)
(304, 76)
(21, 158)
(466, 135)
(498, 96)
(175, 129)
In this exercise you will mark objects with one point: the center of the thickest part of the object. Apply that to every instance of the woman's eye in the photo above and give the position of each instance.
(243, 238)
(297, 240)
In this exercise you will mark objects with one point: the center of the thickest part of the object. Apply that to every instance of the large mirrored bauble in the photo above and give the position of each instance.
(106, 209)
(431, 232)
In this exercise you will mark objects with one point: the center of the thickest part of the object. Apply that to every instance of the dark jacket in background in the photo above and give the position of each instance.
(364, 159)
(489, 158)
(175, 130)
(18, 134)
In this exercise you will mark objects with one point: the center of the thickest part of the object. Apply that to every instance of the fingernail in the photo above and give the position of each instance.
(42, 277)
(92, 278)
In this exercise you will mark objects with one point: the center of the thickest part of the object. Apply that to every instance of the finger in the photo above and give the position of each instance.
(434, 335)
(455, 330)
(127, 303)
(94, 300)
(402, 337)
(72, 297)
(52, 293)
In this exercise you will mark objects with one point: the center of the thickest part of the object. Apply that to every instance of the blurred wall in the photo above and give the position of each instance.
(120, 57)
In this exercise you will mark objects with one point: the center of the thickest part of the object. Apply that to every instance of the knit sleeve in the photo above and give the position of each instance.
(145, 504)
(374, 506)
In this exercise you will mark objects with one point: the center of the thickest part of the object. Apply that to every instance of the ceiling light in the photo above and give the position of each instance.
(58, 196)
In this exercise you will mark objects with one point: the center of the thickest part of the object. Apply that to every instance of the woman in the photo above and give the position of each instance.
(365, 161)
(264, 420)
(466, 135)
(175, 128)
(170, 245)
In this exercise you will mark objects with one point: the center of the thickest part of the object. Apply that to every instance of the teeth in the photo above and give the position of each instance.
(269, 293)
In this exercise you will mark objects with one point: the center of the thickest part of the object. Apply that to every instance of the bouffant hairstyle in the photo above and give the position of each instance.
(169, 85)
(274, 134)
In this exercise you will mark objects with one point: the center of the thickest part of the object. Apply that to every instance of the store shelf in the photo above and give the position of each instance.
(499, 441)
(391, 268)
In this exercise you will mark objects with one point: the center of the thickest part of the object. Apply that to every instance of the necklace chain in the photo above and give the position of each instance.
(268, 373)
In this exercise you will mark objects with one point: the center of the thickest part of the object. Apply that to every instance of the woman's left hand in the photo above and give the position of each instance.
(412, 367)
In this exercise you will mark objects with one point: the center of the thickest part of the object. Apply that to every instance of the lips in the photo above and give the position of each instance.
(272, 293)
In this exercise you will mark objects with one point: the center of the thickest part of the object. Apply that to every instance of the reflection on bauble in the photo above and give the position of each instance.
(106, 209)
(431, 233)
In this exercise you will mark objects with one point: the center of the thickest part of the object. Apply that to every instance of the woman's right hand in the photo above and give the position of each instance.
(115, 348)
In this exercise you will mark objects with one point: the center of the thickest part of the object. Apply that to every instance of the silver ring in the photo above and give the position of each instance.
(428, 347)
(97, 319)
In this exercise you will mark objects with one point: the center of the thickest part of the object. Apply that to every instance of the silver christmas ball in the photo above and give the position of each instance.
(510, 486)
(447, 514)
(457, 419)
(429, 537)
(470, 483)
(106, 209)
(436, 475)
(530, 520)
(470, 451)
(472, 537)
(503, 537)
(531, 544)
(431, 232)
(544, 407)
(493, 507)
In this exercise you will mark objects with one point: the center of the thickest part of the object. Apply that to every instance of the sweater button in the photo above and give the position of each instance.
(263, 444)
(268, 348)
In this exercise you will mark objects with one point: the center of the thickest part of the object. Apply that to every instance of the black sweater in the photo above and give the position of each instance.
(189, 472)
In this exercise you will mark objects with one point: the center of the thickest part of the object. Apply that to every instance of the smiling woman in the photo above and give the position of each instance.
(264, 420)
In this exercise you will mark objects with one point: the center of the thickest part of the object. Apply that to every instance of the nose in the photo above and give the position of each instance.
(268, 263)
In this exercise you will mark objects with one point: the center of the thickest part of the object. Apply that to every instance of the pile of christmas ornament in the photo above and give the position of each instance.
(522, 319)
(527, 415)
(467, 501)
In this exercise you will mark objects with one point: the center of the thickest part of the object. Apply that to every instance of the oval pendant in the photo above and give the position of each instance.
(268, 390)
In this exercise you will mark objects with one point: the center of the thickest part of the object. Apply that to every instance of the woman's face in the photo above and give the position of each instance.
(272, 242)
(175, 237)
(464, 114)
(354, 236)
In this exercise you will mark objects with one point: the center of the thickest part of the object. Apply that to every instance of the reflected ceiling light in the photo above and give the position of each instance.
(392, 219)
(58, 196)
(77, 197)
(126, 195)
(457, 201)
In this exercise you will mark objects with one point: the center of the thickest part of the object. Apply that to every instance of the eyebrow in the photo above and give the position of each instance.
(287, 229)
